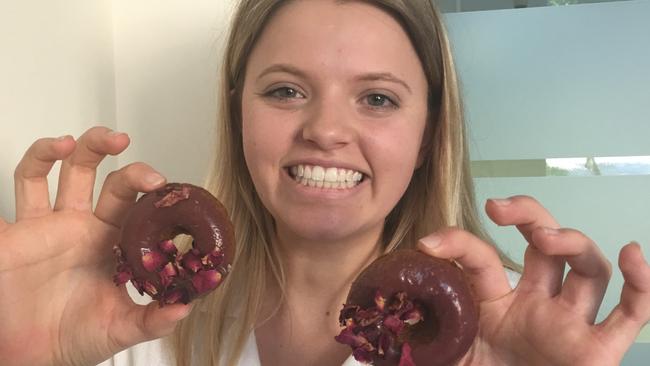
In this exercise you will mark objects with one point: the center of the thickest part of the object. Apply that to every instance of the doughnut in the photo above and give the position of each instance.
(148, 258)
(408, 308)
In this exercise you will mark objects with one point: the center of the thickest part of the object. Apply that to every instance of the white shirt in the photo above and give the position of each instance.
(152, 353)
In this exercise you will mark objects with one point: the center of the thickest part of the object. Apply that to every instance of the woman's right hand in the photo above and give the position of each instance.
(58, 302)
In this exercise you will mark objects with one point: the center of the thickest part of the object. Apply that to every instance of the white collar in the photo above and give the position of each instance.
(250, 355)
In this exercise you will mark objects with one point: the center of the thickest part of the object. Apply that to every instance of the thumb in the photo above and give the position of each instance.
(146, 322)
(480, 261)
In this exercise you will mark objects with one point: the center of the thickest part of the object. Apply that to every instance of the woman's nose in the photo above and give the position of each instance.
(328, 125)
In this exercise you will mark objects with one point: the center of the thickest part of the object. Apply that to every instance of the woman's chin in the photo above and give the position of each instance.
(328, 230)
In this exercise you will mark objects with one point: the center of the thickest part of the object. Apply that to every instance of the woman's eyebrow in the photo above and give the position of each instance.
(372, 76)
(383, 76)
(282, 68)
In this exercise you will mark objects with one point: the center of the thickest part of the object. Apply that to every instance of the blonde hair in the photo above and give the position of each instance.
(440, 193)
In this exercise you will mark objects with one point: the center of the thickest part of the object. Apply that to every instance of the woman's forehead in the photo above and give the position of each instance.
(322, 36)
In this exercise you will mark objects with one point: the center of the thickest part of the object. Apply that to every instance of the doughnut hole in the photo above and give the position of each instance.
(183, 242)
(426, 330)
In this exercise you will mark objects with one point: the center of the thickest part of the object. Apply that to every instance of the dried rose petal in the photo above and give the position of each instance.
(406, 359)
(413, 316)
(124, 272)
(348, 337)
(152, 260)
(174, 296)
(362, 355)
(380, 301)
(367, 317)
(191, 261)
(168, 247)
(399, 302)
(182, 273)
(214, 259)
(169, 270)
(165, 281)
(394, 324)
(173, 197)
(205, 281)
(167, 274)
(122, 276)
(377, 332)
(347, 313)
(390, 348)
(150, 288)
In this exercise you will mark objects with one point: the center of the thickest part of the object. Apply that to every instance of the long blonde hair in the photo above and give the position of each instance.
(440, 193)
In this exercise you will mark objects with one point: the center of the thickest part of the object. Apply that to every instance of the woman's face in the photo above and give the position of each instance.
(334, 108)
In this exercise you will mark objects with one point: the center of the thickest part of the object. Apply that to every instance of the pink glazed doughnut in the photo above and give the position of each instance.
(148, 258)
(408, 308)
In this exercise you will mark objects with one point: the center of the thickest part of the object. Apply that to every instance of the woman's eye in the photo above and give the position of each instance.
(380, 101)
(285, 92)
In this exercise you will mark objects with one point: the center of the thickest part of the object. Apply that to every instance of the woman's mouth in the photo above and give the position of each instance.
(320, 177)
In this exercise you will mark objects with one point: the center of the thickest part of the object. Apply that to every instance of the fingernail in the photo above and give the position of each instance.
(432, 241)
(154, 179)
(187, 309)
(61, 138)
(115, 133)
(551, 231)
(501, 201)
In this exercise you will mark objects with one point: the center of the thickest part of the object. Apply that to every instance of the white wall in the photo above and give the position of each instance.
(570, 81)
(166, 68)
(56, 77)
(144, 67)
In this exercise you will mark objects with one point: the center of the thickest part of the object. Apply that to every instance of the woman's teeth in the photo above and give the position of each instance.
(317, 176)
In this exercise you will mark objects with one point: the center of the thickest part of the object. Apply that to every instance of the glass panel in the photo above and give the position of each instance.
(451, 6)
(589, 166)
(556, 103)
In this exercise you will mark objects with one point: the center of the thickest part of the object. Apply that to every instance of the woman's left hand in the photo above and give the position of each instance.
(547, 319)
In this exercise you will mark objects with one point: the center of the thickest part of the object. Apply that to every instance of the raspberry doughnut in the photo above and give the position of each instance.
(148, 258)
(407, 308)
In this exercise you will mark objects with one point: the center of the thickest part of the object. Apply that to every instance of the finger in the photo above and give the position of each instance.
(77, 176)
(585, 284)
(480, 261)
(624, 323)
(541, 272)
(147, 322)
(524, 212)
(121, 189)
(30, 176)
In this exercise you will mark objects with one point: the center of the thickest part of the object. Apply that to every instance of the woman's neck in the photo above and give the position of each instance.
(323, 270)
(318, 277)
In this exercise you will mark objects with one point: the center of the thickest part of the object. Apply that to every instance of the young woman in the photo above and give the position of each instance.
(365, 90)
